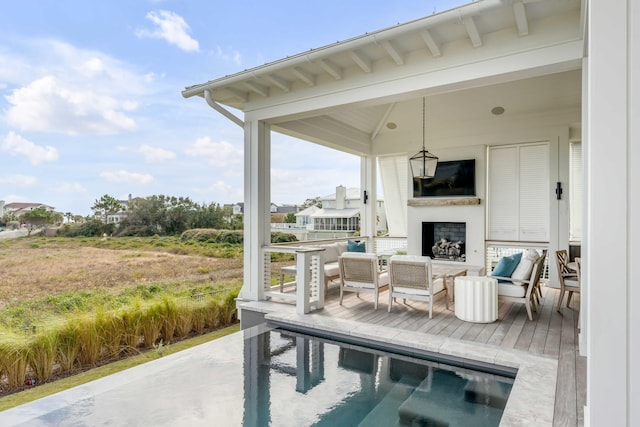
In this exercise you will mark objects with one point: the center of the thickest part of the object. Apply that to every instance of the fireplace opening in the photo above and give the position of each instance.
(444, 240)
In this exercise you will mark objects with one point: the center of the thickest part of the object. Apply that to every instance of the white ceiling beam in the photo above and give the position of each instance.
(258, 88)
(305, 76)
(382, 120)
(333, 70)
(361, 61)
(244, 96)
(431, 43)
(283, 84)
(521, 18)
(393, 52)
(472, 31)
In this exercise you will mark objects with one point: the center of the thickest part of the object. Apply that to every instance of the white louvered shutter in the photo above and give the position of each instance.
(575, 191)
(519, 193)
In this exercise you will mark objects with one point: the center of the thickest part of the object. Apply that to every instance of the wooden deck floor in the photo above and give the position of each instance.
(550, 333)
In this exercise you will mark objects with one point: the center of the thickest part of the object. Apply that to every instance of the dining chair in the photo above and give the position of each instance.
(569, 279)
(360, 272)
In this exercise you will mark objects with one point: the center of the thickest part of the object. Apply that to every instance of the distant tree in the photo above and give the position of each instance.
(69, 216)
(105, 206)
(38, 217)
(8, 217)
(290, 218)
(311, 202)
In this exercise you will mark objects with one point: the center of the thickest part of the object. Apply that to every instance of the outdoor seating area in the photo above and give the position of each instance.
(552, 334)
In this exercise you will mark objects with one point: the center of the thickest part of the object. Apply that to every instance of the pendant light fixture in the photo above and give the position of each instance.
(423, 164)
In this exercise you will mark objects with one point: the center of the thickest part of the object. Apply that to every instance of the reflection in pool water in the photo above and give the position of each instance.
(264, 376)
(354, 386)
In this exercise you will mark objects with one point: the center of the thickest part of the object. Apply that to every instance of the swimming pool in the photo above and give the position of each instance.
(271, 376)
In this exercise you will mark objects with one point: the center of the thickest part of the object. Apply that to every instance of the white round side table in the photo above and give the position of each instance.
(476, 299)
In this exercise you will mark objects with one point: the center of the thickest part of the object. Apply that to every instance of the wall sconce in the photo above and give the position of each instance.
(558, 190)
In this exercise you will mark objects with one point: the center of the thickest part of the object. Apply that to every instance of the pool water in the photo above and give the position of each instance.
(274, 377)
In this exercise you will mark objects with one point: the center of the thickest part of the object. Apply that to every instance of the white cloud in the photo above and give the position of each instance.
(18, 180)
(155, 154)
(172, 28)
(16, 144)
(219, 154)
(128, 177)
(49, 105)
(71, 187)
(59, 88)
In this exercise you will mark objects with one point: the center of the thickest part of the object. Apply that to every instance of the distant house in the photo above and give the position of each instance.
(21, 208)
(117, 217)
(340, 212)
(238, 208)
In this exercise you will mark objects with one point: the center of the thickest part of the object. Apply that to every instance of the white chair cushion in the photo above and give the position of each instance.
(331, 269)
(511, 290)
(438, 286)
(524, 268)
(331, 252)
(383, 279)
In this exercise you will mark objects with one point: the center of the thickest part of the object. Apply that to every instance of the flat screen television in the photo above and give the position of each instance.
(453, 178)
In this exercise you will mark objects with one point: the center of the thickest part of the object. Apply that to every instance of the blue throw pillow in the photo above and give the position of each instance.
(506, 266)
(353, 246)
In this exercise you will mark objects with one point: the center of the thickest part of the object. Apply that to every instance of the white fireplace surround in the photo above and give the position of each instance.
(447, 210)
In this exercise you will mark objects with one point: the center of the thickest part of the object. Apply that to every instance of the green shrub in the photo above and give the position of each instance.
(280, 237)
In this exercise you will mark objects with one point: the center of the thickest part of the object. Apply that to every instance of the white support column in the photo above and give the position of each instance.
(257, 195)
(368, 183)
(613, 206)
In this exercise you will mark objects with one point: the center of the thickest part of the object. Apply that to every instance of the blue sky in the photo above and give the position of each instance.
(90, 99)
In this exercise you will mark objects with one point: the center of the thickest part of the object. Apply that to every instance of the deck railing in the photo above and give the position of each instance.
(308, 267)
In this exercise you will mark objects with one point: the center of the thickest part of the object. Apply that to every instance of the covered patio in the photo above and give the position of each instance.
(512, 85)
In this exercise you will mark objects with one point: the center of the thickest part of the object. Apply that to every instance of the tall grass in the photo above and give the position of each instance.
(68, 344)
(42, 352)
(169, 312)
(14, 352)
(111, 330)
(184, 318)
(131, 321)
(151, 323)
(87, 340)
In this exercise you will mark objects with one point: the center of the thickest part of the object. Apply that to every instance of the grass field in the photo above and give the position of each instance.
(41, 267)
(45, 282)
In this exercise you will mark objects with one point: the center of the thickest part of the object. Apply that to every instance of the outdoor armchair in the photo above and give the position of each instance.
(412, 277)
(360, 272)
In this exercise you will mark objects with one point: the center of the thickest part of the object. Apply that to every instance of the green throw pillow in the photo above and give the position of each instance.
(353, 246)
